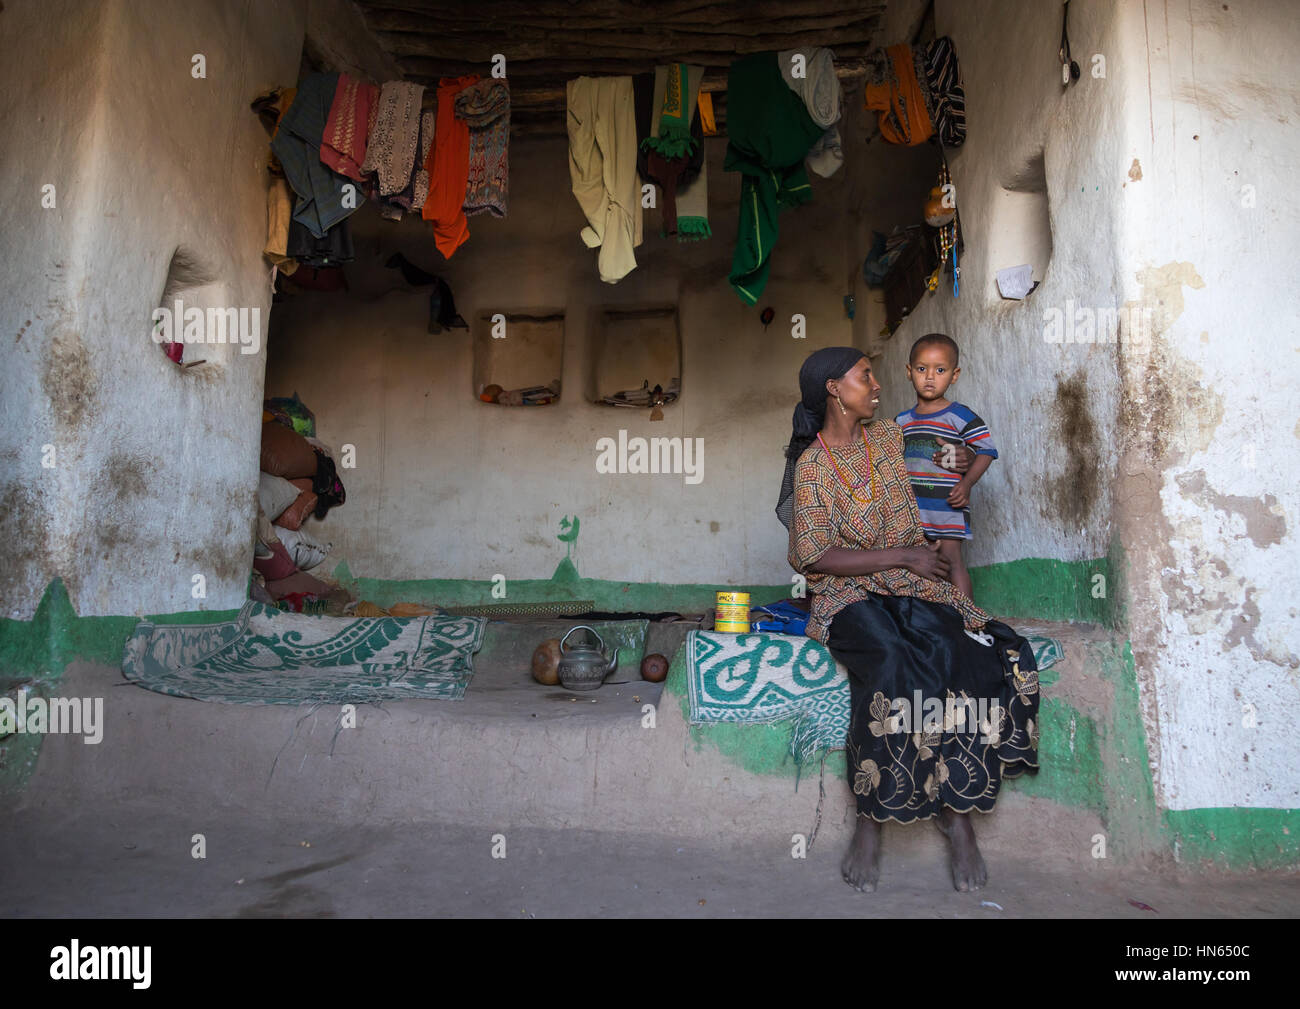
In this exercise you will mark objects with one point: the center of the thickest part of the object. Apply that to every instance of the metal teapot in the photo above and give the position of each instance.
(584, 667)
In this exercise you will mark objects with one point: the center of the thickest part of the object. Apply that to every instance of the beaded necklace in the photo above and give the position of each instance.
(870, 469)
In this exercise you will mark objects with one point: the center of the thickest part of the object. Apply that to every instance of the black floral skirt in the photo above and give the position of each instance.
(940, 716)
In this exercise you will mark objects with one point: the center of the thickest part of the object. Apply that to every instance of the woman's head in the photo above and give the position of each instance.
(841, 372)
(858, 391)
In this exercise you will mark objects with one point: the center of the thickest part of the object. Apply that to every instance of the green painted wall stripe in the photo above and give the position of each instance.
(608, 595)
(1042, 589)
(1235, 836)
(1069, 758)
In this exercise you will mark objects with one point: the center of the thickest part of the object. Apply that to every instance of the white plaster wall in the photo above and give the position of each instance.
(449, 487)
(1036, 500)
(1215, 631)
(1192, 410)
(51, 75)
(155, 467)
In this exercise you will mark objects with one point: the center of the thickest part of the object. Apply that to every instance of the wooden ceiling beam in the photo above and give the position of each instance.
(549, 42)
(413, 29)
(577, 47)
(525, 74)
(606, 13)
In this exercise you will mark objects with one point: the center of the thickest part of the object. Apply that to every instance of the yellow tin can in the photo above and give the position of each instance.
(733, 613)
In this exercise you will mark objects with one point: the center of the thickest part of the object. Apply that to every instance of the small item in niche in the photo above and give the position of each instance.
(533, 395)
(657, 401)
(644, 396)
(1015, 282)
(850, 306)
(767, 316)
(491, 393)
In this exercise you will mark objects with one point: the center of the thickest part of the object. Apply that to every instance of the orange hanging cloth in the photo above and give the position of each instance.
(448, 168)
(903, 117)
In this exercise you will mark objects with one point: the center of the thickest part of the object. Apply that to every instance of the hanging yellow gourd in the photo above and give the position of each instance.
(936, 214)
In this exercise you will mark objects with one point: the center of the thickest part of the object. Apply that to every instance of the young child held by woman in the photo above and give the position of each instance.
(933, 430)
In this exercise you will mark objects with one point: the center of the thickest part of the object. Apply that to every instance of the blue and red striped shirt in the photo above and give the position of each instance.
(924, 434)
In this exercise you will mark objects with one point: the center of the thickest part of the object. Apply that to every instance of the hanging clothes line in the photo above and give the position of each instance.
(339, 142)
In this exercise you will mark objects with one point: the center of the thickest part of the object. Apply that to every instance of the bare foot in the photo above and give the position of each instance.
(968, 869)
(861, 865)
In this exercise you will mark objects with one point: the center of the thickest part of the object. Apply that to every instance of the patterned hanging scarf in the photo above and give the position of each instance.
(674, 139)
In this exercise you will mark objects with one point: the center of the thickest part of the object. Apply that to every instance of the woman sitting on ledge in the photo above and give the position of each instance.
(883, 608)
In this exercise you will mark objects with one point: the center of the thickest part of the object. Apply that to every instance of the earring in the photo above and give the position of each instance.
(841, 403)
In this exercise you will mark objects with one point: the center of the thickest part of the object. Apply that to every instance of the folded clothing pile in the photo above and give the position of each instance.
(298, 481)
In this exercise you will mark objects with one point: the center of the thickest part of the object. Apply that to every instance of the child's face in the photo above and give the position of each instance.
(931, 372)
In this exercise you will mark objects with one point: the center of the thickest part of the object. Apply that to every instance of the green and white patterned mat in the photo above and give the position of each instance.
(267, 656)
(758, 678)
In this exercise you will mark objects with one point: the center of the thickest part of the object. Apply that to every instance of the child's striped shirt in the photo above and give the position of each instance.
(923, 435)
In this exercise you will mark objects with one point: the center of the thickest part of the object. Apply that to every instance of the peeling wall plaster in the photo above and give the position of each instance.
(1206, 503)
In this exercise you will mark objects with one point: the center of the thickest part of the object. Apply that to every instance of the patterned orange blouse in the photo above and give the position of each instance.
(826, 515)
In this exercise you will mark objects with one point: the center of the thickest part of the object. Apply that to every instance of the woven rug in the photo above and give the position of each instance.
(267, 656)
(758, 678)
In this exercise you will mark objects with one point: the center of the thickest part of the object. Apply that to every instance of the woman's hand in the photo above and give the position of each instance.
(954, 455)
(927, 562)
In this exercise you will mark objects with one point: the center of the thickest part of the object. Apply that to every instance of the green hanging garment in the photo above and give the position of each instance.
(769, 134)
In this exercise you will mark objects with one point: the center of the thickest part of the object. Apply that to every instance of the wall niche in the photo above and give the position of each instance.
(519, 357)
(196, 321)
(636, 359)
(1021, 232)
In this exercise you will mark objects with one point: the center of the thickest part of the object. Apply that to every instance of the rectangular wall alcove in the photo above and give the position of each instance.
(519, 357)
(632, 352)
